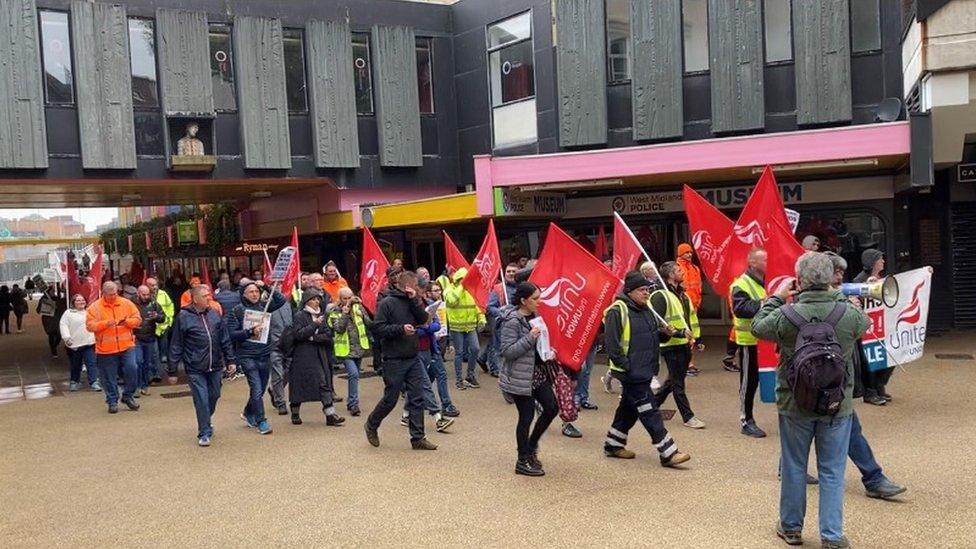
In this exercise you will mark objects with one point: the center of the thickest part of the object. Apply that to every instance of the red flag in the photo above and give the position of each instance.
(294, 269)
(765, 206)
(601, 251)
(576, 288)
(95, 291)
(373, 275)
(711, 236)
(71, 275)
(455, 259)
(205, 273)
(485, 269)
(626, 250)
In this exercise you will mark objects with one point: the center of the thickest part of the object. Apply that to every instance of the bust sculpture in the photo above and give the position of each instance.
(189, 145)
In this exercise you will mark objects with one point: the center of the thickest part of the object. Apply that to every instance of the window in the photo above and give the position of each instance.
(865, 26)
(222, 68)
(694, 15)
(56, 48)
(779, 35)
(618, 40)
(512, 80)
(361, 73)
(425, 76)
(847, 233)
(295, 71)
(142, 61)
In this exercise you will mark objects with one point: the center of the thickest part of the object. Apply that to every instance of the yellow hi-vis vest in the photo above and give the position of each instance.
(340, 340)
(624, 336)
(675, 317)
(743, 326)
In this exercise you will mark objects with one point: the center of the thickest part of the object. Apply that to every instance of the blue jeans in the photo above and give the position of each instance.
(832, 437)
(862, 456)
(434, 365)
(465, 346)
(352, 370)
(205, 388)
(83, 355)
(147, 357)
(489, 354)
(258, 371)
(583, 383)
(164, 350)
(108, 369)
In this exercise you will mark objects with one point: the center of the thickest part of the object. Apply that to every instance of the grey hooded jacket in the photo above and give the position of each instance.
(517, 348)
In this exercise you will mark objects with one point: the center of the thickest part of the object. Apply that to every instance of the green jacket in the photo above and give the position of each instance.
(166, 304)
(770, 324)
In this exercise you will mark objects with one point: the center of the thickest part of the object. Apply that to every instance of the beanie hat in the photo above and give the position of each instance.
(869, 257)
(633, 281)
(684, 248)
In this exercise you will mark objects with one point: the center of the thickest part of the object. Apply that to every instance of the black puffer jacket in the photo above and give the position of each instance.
(146, 331)
(641, 359)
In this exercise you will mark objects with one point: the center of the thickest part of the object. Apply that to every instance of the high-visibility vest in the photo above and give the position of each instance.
(675, 317)
(743, 326)
(340, 340)
(625, 333)
(166, 303)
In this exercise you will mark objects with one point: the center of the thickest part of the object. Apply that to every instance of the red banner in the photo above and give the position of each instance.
(455, 259)
(485, 269)
(576, 288)
(373, 275)
(294, 269)
(711, 236)
(627, 251)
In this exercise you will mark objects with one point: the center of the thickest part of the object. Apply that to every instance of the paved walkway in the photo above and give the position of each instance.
(73, 476)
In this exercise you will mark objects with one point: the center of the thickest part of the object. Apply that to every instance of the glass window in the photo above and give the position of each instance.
(222, 68)
(295, 71)
(361, 73)
(694, 15)
(512, 75)
(618, 40)
(514, 124)
(865, 25)
(779, 36)
(142, 60)
(425, 77)
(846, 233)
(510, 30)
(56, 48)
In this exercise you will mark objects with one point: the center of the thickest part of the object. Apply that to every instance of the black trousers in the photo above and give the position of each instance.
(529, 443)
(397, 373)
(53, 339)
(748, 381)
(637, 403)
(731, 350)
(875, 381)
(677, 359)
(5, 322)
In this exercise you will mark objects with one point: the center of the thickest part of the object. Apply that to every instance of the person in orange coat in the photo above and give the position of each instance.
(112, 319)
(692, 286)
(333, 282)
(186, 298)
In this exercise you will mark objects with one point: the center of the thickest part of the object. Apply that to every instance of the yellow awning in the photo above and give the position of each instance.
(455, 208)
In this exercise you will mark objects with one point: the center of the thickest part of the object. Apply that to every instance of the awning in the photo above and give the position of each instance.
(455, 208)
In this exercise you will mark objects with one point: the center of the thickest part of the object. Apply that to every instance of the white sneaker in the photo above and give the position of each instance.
(74, 386)
(607, 384)
(695, 423)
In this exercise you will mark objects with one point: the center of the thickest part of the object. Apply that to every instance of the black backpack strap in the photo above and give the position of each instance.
(838, 313)
(795, 318)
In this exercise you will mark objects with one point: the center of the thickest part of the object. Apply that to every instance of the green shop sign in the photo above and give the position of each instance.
(187, 232)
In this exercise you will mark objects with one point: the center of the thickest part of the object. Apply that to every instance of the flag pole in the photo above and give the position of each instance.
(648, 258)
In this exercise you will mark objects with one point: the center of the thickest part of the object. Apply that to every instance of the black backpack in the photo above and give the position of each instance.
(817, 374)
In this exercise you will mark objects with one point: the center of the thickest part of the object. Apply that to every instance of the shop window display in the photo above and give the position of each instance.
(845, 233)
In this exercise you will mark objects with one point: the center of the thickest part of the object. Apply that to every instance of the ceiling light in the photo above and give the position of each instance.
(829, 165)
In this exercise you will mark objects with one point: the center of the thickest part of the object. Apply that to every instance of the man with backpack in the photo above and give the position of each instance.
(814, 392)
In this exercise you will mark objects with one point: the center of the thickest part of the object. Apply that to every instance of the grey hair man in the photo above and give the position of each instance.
(799, 427)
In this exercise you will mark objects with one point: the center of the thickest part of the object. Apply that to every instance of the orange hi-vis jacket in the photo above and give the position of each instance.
(693, 281)
(332, 288)
(115, 339)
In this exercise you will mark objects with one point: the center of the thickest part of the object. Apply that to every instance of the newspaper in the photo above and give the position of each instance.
(257, 318)
(542, 344)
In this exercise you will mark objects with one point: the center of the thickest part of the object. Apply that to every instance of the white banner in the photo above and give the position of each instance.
(897, 334)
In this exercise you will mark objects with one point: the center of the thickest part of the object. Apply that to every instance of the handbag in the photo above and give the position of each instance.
(564, 388)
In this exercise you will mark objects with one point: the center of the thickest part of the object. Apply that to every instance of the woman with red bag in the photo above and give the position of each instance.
(524, 378)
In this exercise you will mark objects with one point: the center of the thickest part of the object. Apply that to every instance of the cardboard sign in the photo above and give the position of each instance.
(285, 257)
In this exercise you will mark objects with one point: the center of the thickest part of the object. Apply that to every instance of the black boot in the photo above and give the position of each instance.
(525, 466)
(295, 418)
